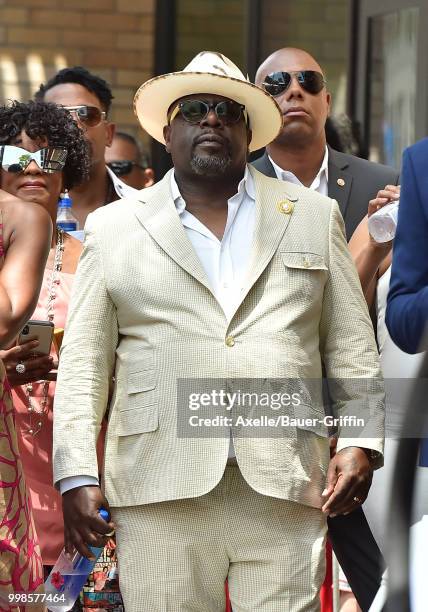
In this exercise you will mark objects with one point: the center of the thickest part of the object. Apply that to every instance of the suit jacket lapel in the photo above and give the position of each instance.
(339, 180)
(270, 224)
(158, 214)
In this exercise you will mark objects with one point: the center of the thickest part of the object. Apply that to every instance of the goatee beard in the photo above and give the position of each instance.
(210, 165)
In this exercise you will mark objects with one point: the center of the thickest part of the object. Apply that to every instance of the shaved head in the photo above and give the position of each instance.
(304, 113)
(290, 57)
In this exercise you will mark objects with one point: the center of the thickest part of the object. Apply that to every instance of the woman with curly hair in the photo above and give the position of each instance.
(42, 153)
(25, 237)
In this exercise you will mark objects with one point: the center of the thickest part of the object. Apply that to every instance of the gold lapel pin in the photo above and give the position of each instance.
(341, 182)
(285, 207)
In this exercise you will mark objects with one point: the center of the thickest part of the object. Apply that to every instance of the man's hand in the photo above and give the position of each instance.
(349, 477)
(83, 525)
(37, 367)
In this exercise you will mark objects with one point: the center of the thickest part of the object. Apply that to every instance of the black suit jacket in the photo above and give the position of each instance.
(361, 181)
(350, 535)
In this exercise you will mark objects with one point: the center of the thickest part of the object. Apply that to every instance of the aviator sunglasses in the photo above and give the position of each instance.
(276, 83)
(194, 111)
(49, 159)
(123, 167)
(91, 116)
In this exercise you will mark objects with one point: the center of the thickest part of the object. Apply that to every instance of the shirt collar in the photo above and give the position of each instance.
(286, 175)
(246, 186)
(122, 189)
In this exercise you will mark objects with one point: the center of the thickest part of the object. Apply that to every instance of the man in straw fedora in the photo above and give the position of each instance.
(211, 282)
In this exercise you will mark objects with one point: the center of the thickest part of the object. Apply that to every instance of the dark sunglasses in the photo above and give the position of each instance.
(123, 167)
(276, 83)
(49, 159)
(91, 116)
(194, 111)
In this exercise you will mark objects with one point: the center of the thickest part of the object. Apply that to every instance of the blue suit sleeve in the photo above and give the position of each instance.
(407, 307)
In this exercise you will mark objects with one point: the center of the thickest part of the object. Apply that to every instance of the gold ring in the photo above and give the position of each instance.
(109, 534)
(357, 500)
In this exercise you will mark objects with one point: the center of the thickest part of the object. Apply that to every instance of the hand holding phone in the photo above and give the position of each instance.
(42, 331)
(36, 368)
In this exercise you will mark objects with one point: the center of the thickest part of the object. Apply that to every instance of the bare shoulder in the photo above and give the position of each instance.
(17, 213)
(11, 205)
(15, 209)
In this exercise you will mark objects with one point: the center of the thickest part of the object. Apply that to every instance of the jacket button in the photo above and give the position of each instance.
(230, 341)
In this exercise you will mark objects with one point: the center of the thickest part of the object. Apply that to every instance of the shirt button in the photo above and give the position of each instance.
(230, 341)
(305, 263)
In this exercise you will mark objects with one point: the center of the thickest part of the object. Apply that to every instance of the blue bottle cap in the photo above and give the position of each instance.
(65, 200)
(103, 513)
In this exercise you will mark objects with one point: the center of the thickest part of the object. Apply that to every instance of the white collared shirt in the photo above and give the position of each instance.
(225, 262)
(320, 182)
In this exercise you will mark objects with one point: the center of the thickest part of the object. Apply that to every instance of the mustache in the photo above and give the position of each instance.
(210, 136)
(215, 137)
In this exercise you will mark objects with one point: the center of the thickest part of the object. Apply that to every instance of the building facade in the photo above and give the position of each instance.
(375, 55)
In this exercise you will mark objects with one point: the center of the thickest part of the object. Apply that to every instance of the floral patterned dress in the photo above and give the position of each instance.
(21, 569)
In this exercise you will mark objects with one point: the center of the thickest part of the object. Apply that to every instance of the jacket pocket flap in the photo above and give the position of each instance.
(303, 261)
(138, 421)
(141, 381)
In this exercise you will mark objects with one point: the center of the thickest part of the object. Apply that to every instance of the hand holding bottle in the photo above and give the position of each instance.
(382, 216)
(70, 572)
(83, 526)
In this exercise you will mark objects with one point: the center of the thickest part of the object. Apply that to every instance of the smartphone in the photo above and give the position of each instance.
(38, 330)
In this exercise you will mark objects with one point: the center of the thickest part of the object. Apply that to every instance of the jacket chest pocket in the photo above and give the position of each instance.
(306, 274)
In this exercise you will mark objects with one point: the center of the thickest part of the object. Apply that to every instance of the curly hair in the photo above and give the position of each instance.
(81, 76)
(46, 121)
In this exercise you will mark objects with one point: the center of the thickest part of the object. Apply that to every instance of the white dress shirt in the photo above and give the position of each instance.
(225, 262)
(320, 182)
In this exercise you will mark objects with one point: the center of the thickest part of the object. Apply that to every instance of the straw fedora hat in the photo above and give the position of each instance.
(210, 73)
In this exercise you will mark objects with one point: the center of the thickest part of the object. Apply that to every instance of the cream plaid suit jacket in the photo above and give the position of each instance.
(142, 310)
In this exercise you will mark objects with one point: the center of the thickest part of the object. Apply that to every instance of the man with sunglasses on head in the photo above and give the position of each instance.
(220, 281)
(88, 97)
(300, 154)
(126, 159)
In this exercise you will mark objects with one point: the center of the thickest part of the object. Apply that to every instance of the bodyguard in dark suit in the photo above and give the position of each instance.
(352, 181)
(301, 148)
(300, 154)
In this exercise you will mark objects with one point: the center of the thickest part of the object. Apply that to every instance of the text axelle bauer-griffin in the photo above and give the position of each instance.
(281, 420)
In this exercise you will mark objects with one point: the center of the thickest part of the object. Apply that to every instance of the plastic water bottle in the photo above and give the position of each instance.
(65, 218)
(383, 223)
(68, 576)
